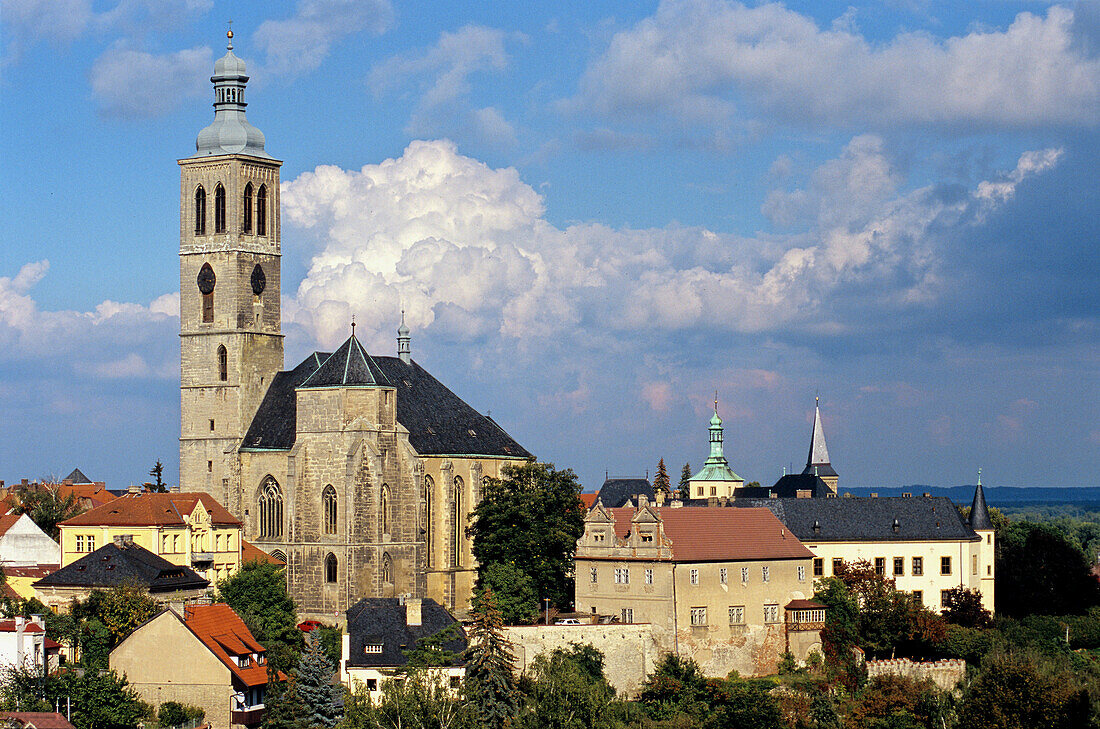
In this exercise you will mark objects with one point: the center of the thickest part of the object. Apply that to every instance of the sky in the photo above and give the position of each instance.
(596, 215)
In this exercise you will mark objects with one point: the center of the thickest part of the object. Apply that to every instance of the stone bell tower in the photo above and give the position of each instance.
(230, 341)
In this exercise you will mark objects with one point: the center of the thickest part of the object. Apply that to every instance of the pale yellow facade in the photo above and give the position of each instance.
(212, 550)
(926, 567)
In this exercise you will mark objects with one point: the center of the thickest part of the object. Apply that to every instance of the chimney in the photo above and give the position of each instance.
(413, 611)
(121, 540)
(643, 501)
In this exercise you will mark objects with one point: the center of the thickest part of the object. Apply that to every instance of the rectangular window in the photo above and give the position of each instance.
(945, 565)
(372, 684)
(211, 426)
(771, 613)
(801, 573)
(622, 576)
(722, 575)
(819, 567)
(80, 542)
(880, 566)
(649, 577)
(838, 565)
(918, 566)
(744, 575)
(764, 573)
(974, 568)
(899, 566)
(945, 596)
(695, 577)
(918, 598)
(647, 537)
(628, 615)
(91, 543)
(698, 616)
(713, 490)
(372, 648)
(737, 614)
(594, 579)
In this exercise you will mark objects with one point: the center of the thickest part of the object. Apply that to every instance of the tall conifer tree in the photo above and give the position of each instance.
(323, 699)
(490, 678)
(660, 481)
(685, 477)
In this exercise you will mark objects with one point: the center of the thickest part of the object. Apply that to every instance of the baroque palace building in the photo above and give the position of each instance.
(359, 471)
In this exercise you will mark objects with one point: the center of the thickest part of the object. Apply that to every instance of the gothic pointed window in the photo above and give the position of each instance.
(328, 508)
(384, 509)
(330, 568)
(261, 211)
(206, 281)
(246, 219)
(456, 523)
(200, 211)
(271, 509)
(387, 576)
(219, 209)
(223, 363)
(429, 532)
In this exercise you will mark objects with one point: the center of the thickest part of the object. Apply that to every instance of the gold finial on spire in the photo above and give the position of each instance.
(715, 402)
(229, 35)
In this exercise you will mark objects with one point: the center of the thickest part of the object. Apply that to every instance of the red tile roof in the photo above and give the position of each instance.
(90, 495)
(152, 509)
(589, 500)
(251, 553)
(223, 632)
(38, 719)
(712, 534)
(7, 521)
(8, 626)
(36, 571)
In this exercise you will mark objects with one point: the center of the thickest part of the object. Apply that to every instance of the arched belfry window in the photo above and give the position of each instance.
(330, 568)
(219, 209)
(271, 509)
(261, 211)
(205, 282)
(200, 211)
(384, 509)
(223, 363)
(246, 210)
(456, 523)
(328, 508)
(429, 533)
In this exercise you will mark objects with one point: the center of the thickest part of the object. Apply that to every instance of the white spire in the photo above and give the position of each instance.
(819, 453)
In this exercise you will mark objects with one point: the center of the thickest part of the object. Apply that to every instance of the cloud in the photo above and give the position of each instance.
(468, 251)
(443, 73)
(113, 340)
(703, 61)
(167, 80)
(299, 44)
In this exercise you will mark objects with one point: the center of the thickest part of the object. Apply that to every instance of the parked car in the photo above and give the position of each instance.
(567, 621)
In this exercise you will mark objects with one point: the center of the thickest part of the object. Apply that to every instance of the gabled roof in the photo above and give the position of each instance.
(251, 553)
(718, 534)
(153, 509)
(617, 492)
(868, 519)
(112, 565)
(89, 495)
(7, 521)
(35, 719)
(787, 487)
(223, 632)
(348, 366)
(380, 621)
(439, 422)
(8, 626)
(588, 500)
(77, 476)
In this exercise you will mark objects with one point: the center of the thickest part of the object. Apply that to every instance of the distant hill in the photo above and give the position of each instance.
(994, 495)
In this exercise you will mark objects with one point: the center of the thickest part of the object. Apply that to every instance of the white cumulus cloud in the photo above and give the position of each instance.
(703, 60)
(167, 80)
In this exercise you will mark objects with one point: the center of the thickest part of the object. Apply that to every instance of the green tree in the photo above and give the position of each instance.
(742, 704)
(677, 686)
(1041, 569)
(433, 651)
(660, 481)
(157, 472)
(323, 699)
(119, 609)
(962, 606)
(1026, 691)
(283, 705)
(566, 689)
(257, 592)
(685, 479)
(99, 699)
(490, 680)
(173, 713)
(532, 516)
(514, 590)
(45, 505)
(419, 699)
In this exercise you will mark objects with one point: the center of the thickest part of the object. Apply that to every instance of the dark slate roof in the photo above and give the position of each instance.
(381, 621)
(439, 422)
(114, 566)
(979, 512)
(275, 422)
(863, 519)
(819, 469)
(77, 477)
(348, 366)
(788, 486)
(618, 492)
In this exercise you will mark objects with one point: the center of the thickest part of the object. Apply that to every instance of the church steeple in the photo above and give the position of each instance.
(404, 353)
(716, 478)
(817, 463)
(230, 132)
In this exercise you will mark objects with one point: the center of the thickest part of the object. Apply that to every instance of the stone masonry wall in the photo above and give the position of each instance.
(945, 674)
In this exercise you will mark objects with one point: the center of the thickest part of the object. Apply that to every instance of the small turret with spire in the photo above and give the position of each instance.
(404, 352)
(716, 478)
(979, 512)
(817, 463)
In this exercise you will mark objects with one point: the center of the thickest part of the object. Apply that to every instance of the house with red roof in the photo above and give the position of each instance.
(34, 720)
(207, 658)
(729, 587)
(23, 643)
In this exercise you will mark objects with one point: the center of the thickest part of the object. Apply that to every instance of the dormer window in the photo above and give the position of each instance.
(598, 537)
(372, 648)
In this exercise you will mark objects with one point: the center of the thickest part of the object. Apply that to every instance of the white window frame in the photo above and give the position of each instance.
(595, 576)
(649, 577)
(699, 615)
(771, 613)
(723, 575)
(801, 573)
(737, 614)
(622, 575)
(694, 576)
(744, 575)
(765, 573)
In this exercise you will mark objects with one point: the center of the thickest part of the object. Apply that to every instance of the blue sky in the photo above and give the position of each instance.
(596, 216)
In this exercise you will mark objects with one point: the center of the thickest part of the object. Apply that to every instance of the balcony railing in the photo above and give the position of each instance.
(248, 717)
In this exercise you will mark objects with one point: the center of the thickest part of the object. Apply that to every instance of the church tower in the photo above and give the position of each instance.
(230, 341)
(817, 463)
